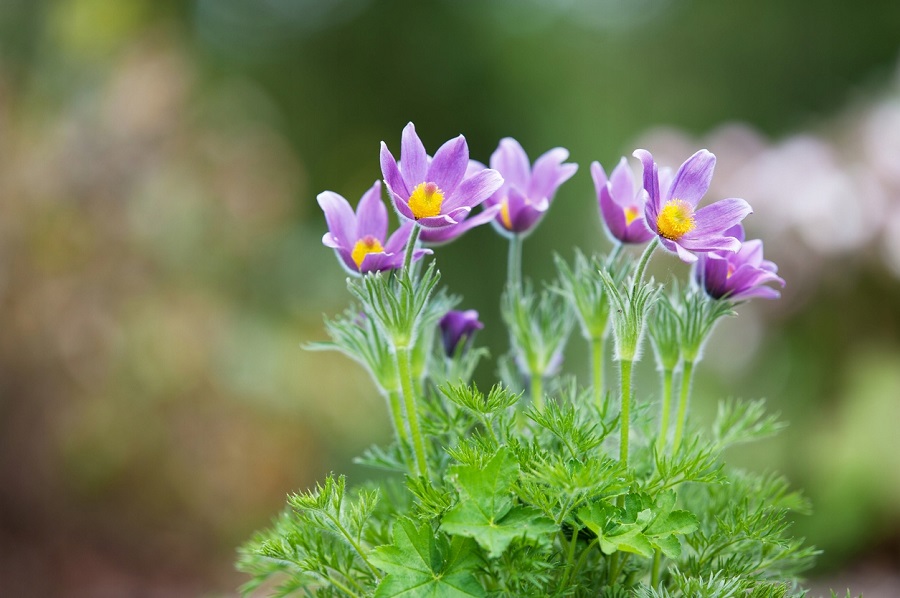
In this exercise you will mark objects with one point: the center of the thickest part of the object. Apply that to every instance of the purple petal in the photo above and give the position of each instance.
(378, 261)
(549, 173)
(682, 253)
(474, 190)
(613, 215)
(719, 217)
(712, 242)
(442, 220)
(511, 161)
(371, 214)
(651, 178)
(402, 207)
(524, 214)
(413, 159)
(637, 232)
(397, 241)
(622, 183)
(437, 236)
(449, 165)
(340, 218)
(391, 173)
(693, 178)
(599, 176)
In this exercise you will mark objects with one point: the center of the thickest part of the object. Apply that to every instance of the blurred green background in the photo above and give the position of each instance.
(161, 259)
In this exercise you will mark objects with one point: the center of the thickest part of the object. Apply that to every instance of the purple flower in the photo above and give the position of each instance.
(435, 192)
(526, 192)
(621, 205)
(458, 328)
(674, 217)
(439, 236)
(738, 276)
(359, 238)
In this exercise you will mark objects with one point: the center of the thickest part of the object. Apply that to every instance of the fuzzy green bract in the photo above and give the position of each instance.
(554, 482)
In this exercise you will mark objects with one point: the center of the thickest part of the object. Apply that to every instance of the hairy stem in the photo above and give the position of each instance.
(394, 400)
(642, 265)
(625, 380)
(687, 375)
(514, 263)
(411, 247)
(412, 413)
(597, 371)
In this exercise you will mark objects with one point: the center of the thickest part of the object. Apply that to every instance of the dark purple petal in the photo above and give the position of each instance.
(371, 214)
(693, 178)
(524, 214)
(449, 165)
(549, 173)
(438, 236)
(613, 214)
(379, 261)
(391, 173)
(473, 190)
(340, 218)
(458, 330)
(511, 161)
(719, 217)
(651, 199)
(413, 158)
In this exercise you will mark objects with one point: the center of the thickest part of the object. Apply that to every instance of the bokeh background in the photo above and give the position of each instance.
(161, 260)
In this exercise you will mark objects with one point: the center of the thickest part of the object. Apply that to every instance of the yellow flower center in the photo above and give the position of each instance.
(631, 214)
(426, 200)
(730, 271)
(676, 219)
(504, 214)
(364, 247)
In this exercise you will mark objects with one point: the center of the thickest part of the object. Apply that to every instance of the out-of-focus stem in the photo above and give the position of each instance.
(597, 371)
(537, 391)
(667, 376)
(514, 263)
(625, 380)
(687, 375)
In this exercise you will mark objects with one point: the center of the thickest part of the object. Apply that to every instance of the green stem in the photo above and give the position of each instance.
(514, 263)
(412, 413)
(686, 377)
(654, 572)
(597, 371)
(666, 409)
(394, 400)
(642, 264)
(411, 247)
(625, 380)
(537, 391)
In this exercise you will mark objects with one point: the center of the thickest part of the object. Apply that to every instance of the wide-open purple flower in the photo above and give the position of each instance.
(458, 328)
(621, 205)
(434, 192)
(358, 237)
(673, 214)
(738, 276)
(526, 192)
(439, 236)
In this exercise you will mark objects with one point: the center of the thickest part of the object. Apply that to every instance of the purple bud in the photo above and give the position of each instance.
(458, 328)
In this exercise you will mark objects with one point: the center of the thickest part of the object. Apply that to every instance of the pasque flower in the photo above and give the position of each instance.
(673, 215)
(458, 328)
(358, 237)
(621, 205)
(738, 276)
(526, 192)
(435, 193)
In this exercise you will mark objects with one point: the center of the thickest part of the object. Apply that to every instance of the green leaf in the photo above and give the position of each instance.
(485, 510)
(419, 565)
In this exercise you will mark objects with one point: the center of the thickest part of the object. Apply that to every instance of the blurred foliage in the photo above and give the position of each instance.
(160, 256)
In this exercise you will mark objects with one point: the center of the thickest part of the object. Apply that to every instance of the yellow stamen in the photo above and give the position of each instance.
(504, 214)
(631, 214)
(364, 247)
(730, 271)
(426, 200)
(676, 219)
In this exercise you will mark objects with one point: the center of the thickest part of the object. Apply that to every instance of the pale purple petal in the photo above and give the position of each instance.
(549, 173)
(693, 178)
(613, 214)
(391, 173)
(441, 220)
(511, 161)
(637, 231)
(449, 165)
(712, 242)
(718, 217)
(340, 218)
(599, 176)
(524, 214)
(396, 243)
(402, 206)
(413, 158)
(371, 214)
(651, 178)
(437, 236)
(474, 190)
(622, 183)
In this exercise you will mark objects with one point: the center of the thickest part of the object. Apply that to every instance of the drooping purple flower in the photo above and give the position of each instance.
(458, 329)
(527, 192)
(439, 236)
(435, 192)
(738, 276)
(673, 214)
(621, 205)
(358, 237)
